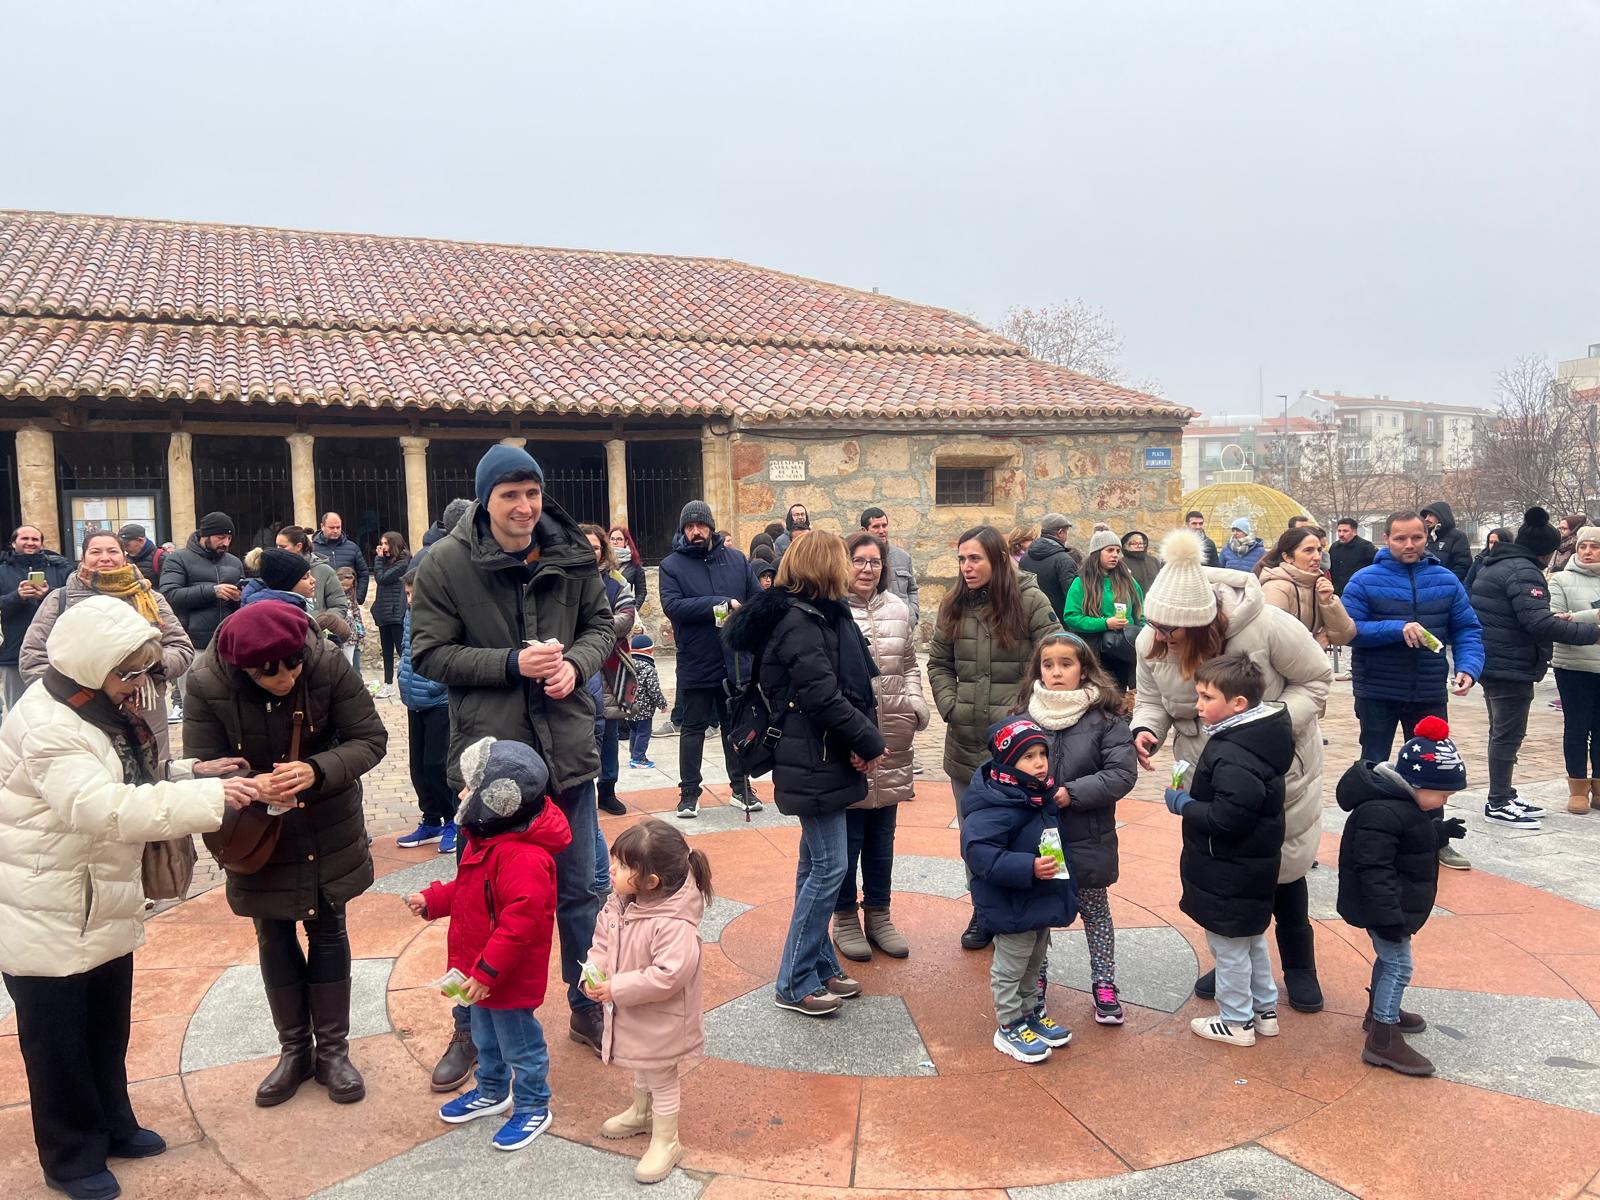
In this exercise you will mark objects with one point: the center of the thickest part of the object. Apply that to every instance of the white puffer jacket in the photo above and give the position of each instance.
(72, 833)
(885, 621)
(1297, 675)
(1576, 589)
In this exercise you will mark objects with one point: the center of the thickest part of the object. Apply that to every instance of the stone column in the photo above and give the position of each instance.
(180, 487)
(36, 485)
(617, 480)
(415, 452)
(303, 479)
(716, 478)
(519, 443)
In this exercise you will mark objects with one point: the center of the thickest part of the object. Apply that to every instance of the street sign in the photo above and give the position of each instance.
(787, 470)
(1158, 458)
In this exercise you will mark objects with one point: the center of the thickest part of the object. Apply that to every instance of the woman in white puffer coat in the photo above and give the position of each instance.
(885, 621)
(79, 798)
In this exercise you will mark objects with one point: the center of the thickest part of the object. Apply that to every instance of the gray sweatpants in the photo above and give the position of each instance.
(1014, 973)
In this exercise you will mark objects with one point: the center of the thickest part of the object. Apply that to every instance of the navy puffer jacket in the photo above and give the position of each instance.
(1388, 855)
(1512, 599)
(417, 691)
(1000, 832)
(694, 580)
(1381, 599)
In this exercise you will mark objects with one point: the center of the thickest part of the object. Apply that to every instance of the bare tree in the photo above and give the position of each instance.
(1540, 447)
(1072, 334)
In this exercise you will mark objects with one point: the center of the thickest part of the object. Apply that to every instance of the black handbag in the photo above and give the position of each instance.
(755, 723)
(1118, 645)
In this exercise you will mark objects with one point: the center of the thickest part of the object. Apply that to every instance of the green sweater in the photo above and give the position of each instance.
(1072, 615)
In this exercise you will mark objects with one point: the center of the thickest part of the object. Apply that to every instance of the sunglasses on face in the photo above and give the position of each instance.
(271, 669)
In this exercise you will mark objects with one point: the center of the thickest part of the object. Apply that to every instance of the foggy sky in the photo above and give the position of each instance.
(1376, 197)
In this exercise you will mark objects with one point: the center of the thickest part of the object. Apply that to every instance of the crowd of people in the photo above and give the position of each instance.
(523, 667)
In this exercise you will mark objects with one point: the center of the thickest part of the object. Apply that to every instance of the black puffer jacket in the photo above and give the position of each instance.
(1447, 543)
(813, 657)
(1055, 568)
(145, 560)
(342, 552)
(1512, 599)
(322, 850)
(189, 579)
(1094, 760)
(1233, 830)
(389, 606)
(1389, 855)
(1349, 557)
(16, 611)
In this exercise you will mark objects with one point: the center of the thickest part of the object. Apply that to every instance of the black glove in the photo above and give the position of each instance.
(1390, 933)
(1452, 830)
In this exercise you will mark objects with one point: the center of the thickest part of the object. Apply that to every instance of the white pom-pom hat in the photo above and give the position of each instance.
(1181, 595)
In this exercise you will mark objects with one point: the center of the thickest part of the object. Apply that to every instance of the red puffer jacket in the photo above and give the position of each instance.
(502, 910)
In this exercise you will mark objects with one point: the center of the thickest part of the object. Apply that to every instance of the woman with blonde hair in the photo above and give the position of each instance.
(1019, 539)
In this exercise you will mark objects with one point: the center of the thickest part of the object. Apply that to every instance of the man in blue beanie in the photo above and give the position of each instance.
(509, 612)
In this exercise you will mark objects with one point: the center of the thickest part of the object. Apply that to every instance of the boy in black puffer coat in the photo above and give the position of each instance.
(1232, 838)
(1389, 874)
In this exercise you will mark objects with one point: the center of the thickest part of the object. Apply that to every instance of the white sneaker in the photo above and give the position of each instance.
(1266, 1022)
(1215, 1029)
(175, 717)
(384, 692)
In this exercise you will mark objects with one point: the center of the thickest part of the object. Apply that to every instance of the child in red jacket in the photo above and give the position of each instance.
(502, 906)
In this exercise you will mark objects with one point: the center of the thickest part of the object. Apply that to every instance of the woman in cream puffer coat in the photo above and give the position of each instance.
(79, 798)
(885, 622)
(1575, 590)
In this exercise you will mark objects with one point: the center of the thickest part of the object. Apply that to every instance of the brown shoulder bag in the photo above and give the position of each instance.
(249, 835)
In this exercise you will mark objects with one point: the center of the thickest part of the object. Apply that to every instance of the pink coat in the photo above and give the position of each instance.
(652, 954)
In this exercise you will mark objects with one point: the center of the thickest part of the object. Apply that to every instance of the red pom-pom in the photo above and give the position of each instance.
(1433, 728)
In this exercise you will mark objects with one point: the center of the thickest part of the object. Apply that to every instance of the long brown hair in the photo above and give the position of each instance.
(1091, 675)
(1123, 588)
(1200, 642)
(608, 558)
(652, 847)
(1003, 594)
(399, 552)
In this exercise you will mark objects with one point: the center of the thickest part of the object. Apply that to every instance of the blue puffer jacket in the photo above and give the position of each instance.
(417, 692)
(693, 581)
(1381, 599)
(999, 842)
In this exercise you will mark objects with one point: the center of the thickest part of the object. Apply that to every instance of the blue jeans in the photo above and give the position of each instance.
(602, 863)
(1244, 976)
(1391, 971)
(512, 1056)
(808, 956)
(576, 904)
(870, 842)
(639, 741)
(608, 751)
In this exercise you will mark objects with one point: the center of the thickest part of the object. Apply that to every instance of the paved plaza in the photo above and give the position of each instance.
(902, 1095)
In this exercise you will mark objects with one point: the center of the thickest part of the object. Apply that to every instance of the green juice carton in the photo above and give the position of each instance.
(451, 984)
(1431, 642)
(1179, 770)
(592, 975)
(1050, 847)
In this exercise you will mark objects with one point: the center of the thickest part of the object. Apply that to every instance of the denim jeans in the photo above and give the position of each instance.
(808, 956)
(1508, 704)
(602, 863)
(608, 751)
(512, 1056)
(702, 708)
(576, 904)
(869, 840)
(1244, 976)
(639, 741)
(1378, 718)
(1391, 971)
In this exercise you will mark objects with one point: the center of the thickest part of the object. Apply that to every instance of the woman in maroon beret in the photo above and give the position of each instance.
(265, 673)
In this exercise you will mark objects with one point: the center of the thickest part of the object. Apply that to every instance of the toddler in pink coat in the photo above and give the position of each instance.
(644, 966)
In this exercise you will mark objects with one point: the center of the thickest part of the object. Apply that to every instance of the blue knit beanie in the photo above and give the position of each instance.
(499, 464)
(1430, 759)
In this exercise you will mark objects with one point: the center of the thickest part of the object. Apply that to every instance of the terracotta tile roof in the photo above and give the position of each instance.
(115, 308)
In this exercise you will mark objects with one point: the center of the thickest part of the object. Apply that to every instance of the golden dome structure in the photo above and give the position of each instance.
(1267, 508)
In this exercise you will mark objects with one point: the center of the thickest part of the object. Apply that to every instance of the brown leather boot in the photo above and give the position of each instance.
(1386, 1047)
(882, 933)
(1410, 1022)
(1577, 796)
(455, 1065)
(330, 1020)
(291, 1013)
(847, 936)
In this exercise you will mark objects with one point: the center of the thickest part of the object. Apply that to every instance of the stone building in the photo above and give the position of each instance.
(156, 370)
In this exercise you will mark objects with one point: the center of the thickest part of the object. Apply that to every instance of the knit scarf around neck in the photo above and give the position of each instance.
(126, 583)
(134, 743)
(1055, 710)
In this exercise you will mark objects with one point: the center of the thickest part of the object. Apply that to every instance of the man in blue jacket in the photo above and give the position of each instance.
(702, 575)
(1404, 595)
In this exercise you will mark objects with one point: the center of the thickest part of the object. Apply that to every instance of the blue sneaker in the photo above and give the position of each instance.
(423, 835)
(1045, 1029)
(636, 763)
(1020, 1042)
(447, 838)
(469, 1106)
(521, 1129)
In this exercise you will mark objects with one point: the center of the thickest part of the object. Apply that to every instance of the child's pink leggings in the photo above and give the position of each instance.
(662, 1084)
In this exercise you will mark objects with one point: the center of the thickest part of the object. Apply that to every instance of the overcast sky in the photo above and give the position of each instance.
(1374, 197)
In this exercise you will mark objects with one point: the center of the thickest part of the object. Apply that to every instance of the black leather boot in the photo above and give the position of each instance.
(606, 793)
(1206, 986)
(975, 936)
(1297, 951)
(330, 1021)
(291, 1013)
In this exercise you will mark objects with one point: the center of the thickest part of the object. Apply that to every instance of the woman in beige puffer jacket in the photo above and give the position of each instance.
(1295, 583)
(885, 621)
(1575, 590)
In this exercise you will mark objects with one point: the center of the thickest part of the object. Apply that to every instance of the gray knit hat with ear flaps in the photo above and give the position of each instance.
(508, 782)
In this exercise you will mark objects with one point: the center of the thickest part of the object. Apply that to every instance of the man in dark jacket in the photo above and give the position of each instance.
(1049, 560)
(1196, 521)
(27, 574)
(1351, 552)
(1512, 600)
(453, 512)
(201, 580)
(1447, 543)
(796, 518)
(332, 547)
(140, 551)
(703, 580)
(508, 611)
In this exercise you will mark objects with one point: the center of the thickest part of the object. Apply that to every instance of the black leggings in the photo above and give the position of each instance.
(1580, 721)
(285, 964)
(389, 639)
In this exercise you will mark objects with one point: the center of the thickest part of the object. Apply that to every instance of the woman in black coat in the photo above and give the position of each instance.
(266, 671)
(817, 675)
(389, 606)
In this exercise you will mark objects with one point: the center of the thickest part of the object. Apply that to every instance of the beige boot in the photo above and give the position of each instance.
(1594, 793)
(632, 1122)
(847, 936)
(664, 1151)
(882, 933)
(1578, 796)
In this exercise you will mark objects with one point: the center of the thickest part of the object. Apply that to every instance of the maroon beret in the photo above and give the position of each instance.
(267, 631)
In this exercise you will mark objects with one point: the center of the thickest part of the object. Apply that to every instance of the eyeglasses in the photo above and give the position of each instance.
(867, 564)
(1163, 630)
(271, 669)
(130, 676)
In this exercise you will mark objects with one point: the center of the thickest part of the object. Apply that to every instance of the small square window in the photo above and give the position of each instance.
(963, 485)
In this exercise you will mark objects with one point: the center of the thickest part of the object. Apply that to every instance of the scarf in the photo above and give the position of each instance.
(127, 583)
(130, 736)
(1249, 714)
(1053, 710)
(623, 555)
(1241, 543)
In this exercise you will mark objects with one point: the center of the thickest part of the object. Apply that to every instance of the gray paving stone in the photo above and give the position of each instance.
(718, 816)
(6, 1006)
(718, 915)
(874, 1035)
(463, 1163)
(417, 876)
(1242, 1173)
(932, 876)
(1543, 1049)
(1322, 882)
(233, 1024)
(1156, 968)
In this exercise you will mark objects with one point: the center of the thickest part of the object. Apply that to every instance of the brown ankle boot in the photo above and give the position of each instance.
(291, 1013)
(330, 1021)
(1594, 793)
(1578, 796)
(847, 936)
(1409, 1022)
(882, 933)
(1386, 1047)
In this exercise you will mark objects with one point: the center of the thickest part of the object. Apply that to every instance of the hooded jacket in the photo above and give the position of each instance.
(342, 552)
(693, 580)
(1141, 564)
(1287, 587)
(1050, 563)
(1233, 831)
(1001, 828)
(189, 579)
(145, 561)
(1576, 590)
(1388, 854)
(1382, 599)
(16, 612)
(651, 951)
(886, 624)
(417, 692)
(1512, 598)
(1346, 558)
(473, 607)
(817, 674)
(389, 606)
(72, 832)
(1447, 543)
(502, 909)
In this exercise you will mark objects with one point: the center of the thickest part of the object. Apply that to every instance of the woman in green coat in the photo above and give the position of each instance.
(1091, 610)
